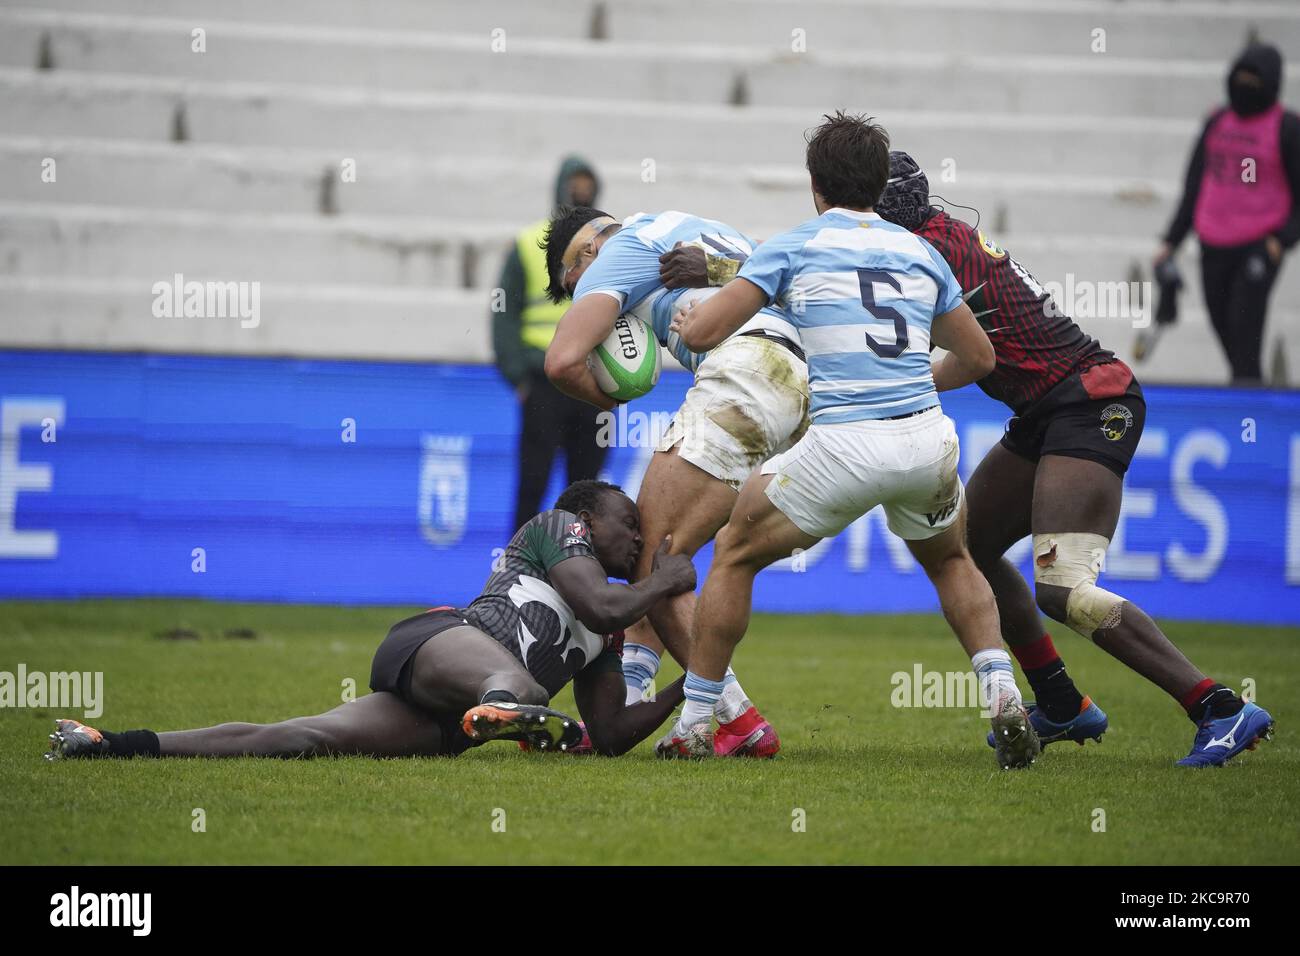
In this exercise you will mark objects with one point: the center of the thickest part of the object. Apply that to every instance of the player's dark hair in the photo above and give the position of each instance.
(564, 225)
(848, 159)
(584, 495)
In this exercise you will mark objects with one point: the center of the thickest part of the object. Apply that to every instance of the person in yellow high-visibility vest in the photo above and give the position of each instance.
(523, 322)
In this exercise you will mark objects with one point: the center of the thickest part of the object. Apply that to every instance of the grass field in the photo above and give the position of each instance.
(878, 784)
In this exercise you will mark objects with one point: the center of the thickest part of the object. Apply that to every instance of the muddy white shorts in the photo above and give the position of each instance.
(837, 473)
(749, 401)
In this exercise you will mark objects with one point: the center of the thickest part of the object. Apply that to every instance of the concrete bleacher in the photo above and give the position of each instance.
(225, 164)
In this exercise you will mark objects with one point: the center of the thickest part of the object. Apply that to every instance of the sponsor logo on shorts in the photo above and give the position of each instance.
(943, 513)
(1116, 420)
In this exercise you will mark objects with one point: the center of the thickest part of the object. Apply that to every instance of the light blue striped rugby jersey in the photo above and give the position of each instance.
(627, 268)
(862, 292)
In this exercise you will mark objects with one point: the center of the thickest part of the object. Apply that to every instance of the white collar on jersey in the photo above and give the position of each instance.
(852, 213)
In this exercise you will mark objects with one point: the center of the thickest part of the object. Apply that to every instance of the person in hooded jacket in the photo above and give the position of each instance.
(1240, 197)
(523, 323)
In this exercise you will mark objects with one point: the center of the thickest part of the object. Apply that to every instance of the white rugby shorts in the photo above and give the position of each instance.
(749, 401)
(837, 473)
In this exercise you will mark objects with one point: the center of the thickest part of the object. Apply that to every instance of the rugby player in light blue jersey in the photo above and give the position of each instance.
(749, 401)
(868, 298)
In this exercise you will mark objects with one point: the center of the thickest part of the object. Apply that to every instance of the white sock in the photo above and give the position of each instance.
(996, 676)
(733, 701)
(640, 665)
(701, 698)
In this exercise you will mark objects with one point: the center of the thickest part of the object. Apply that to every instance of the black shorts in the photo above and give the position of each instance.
(1069, 422)
(390, 670)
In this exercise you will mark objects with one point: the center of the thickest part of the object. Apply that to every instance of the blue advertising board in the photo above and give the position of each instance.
(351, 482)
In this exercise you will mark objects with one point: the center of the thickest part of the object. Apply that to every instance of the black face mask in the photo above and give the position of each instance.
(1263, 64)
(1249, 100)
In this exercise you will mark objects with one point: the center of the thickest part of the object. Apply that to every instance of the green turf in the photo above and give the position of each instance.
(877, 784)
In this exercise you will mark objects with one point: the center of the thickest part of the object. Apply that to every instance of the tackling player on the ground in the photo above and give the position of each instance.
(749, 400)
(867, 297)
(451, 679)
(1058, 475)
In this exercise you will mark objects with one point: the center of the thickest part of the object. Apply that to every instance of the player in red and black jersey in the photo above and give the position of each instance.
(449, 679)
(1038, 347)
(1058, 475)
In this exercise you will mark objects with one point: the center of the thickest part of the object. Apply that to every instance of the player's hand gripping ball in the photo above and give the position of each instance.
(627, 364)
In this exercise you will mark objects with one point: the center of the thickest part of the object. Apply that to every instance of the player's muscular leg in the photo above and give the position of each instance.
(378, 725)
(452, 671)
(964, 594)
(999, 499)
(1074, 495)
(756, 535)
(679, 499)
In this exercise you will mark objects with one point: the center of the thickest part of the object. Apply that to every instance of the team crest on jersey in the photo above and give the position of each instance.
(575, 533)
(1115, 421)
(991, 247)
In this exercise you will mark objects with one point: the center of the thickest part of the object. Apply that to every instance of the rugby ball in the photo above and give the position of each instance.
(627, 364)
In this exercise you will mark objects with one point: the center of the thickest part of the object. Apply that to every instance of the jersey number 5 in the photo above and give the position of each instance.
(884, 313)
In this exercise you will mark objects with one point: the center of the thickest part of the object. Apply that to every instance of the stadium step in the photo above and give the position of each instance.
(690, 72)
(331, 57)
(177, 176)
(434, 325)
(1202, 30)
(1084, 271)
(555, 18)
(313, 320)
(97, 240)
(107, 241)
(1063, 27)
(348, 119)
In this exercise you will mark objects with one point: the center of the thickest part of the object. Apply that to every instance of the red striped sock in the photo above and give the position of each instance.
(1036, 654)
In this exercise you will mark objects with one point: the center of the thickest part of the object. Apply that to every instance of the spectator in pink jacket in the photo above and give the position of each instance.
(1240, 196)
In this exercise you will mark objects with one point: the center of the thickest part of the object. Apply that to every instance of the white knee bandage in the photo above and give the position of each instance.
(1074, 561)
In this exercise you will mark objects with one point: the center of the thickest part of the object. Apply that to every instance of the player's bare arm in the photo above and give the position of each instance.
(688, 266)
(970, 353)
(614, 726)
(586, 324)
(605, 606)
(707, 323)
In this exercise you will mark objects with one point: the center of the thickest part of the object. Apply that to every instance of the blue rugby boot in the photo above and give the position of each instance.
(1219, 740)
(1090, 724)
